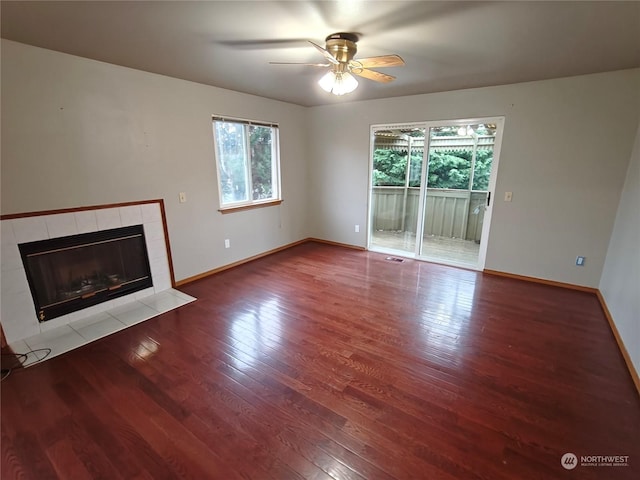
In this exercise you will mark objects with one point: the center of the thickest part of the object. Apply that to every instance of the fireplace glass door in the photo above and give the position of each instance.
(70, 273)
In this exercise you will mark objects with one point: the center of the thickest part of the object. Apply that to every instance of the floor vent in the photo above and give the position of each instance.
(395, 259)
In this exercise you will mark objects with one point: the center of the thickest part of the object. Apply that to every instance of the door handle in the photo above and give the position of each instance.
(488, 198)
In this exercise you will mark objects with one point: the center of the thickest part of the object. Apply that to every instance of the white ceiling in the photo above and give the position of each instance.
(446, 45)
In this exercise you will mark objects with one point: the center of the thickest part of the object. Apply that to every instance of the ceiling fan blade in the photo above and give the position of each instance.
(382, 61)
(298, 63)
(325, 52)
(264, 43)
(373, 75)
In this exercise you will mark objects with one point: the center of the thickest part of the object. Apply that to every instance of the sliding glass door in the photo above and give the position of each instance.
(395, 189)
(430, 187)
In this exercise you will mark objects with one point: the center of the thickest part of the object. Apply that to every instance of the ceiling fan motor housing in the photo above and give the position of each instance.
(342, 46)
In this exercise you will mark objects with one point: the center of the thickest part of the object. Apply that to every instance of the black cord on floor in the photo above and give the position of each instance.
(22, 358)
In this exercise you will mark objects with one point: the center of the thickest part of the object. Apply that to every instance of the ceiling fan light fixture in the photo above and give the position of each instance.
(339, 51)
(465, 131)
(338, 83)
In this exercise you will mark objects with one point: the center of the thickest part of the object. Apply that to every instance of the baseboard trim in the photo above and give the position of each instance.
(238, 263)
(616, 334)
(543, 281)
(261, 255)
(335, 244)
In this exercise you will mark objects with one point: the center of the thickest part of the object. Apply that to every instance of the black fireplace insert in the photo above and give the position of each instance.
(71, 273)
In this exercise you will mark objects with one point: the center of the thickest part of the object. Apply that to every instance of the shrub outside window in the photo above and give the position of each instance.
(248, 162)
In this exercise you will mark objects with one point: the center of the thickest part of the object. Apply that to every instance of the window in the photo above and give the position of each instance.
(248, 162)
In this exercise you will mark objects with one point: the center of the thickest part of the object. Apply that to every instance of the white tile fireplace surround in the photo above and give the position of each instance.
(22, 329)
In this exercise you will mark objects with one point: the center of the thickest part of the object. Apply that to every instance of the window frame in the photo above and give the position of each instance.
(246, 124)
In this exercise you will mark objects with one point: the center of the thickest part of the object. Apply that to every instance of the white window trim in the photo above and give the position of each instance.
(276, 170)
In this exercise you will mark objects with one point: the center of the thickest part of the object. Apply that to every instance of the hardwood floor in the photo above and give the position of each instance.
(322, 362)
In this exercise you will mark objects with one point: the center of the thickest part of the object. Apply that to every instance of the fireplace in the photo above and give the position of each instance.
(71, 273)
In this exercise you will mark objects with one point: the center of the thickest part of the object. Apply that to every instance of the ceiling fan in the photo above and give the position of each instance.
(340, 51)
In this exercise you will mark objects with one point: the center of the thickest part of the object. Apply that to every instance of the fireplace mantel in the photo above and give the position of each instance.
(18, 313)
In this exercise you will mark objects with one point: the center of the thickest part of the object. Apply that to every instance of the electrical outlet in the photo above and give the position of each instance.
(580, 261)
(357, 228)
(227, 243)
(183, 197)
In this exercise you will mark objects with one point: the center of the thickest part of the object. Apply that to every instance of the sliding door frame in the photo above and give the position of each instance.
(427, 125)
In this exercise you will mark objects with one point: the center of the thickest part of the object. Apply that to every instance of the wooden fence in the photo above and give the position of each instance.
(448, 213)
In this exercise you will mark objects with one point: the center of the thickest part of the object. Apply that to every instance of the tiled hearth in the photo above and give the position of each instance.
(93, 327)
(19, 321)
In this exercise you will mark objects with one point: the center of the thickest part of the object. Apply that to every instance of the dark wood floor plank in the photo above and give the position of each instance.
(180, 450)
(101, 426)
(241, 406)
(363, 441)
(321, 362)
(122, 443)
(67, 464)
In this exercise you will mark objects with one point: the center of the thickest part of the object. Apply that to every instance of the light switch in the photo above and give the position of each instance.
(508, 196)
(183, 197)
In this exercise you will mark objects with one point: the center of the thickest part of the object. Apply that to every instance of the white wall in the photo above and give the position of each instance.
(620, 284)
(565, 150)
(77, 132)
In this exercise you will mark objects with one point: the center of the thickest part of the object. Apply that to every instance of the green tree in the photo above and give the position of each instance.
(448, 171)
(260, 141)
(451, 169)
(230, 145)
(447, 168)
(389, 167)
(234, 161)
(484, 157)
